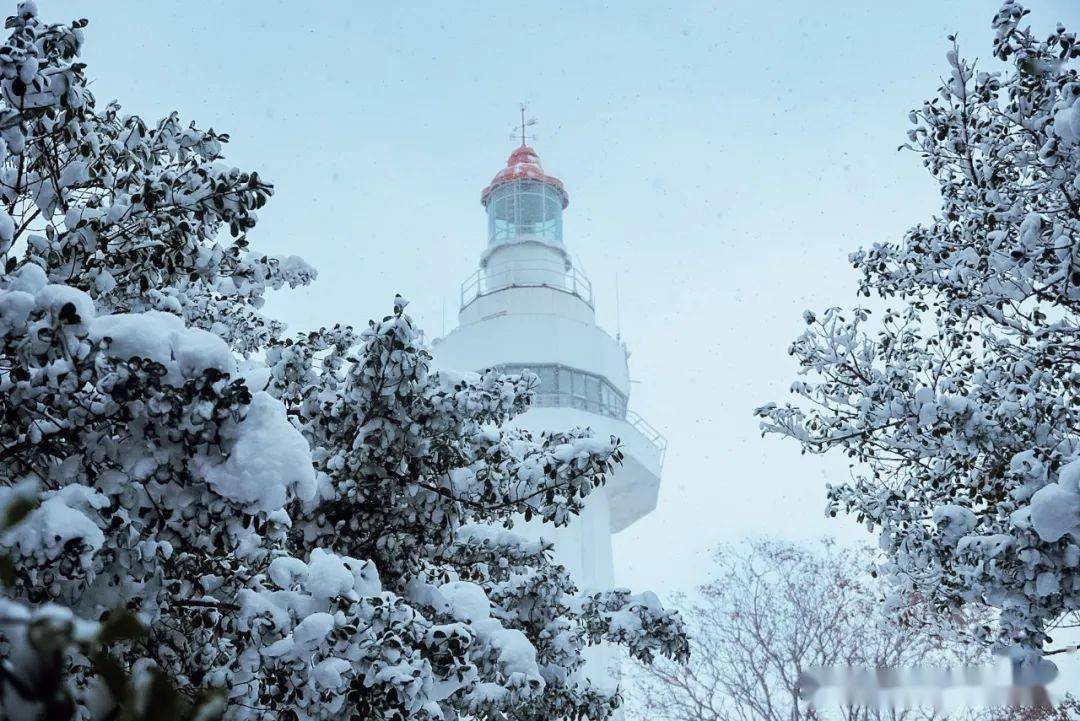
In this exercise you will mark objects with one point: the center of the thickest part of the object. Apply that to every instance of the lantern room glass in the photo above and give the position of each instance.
(524, 209)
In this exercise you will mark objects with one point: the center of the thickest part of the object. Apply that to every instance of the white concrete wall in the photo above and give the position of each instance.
(528, 300)
(523, 338)
(583, 546)
(525, 252)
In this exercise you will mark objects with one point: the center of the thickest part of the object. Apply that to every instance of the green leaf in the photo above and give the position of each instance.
(121, 625)
(164, 703)
(115, 678)
(7, 571)
(17, 510)
(209, 706)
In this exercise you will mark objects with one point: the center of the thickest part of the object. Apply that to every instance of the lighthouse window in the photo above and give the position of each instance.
(564, 382)
(561, 386)
(579, 390)
(524, 209)
(592, 393)
(547, 378)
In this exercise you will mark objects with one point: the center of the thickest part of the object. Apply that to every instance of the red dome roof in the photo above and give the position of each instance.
(524, 164)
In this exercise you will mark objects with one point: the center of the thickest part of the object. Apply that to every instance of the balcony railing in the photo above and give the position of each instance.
(571, 281)
(655, 437)
(566, 400)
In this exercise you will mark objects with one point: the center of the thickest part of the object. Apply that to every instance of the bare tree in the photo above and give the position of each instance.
(772, 612)
(1067, 709)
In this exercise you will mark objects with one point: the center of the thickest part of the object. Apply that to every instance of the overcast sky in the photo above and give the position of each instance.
(721, 158)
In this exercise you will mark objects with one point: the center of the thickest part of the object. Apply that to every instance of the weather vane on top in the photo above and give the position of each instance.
(520, 129)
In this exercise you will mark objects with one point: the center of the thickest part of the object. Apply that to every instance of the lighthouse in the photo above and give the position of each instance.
(527, 307)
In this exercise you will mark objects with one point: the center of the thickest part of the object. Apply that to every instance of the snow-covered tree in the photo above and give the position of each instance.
(49, 646)
(958, 403)
(769, 614)
(315, 527)
(1067, 709)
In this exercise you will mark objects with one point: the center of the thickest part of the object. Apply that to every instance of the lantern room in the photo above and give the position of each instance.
(523, 203)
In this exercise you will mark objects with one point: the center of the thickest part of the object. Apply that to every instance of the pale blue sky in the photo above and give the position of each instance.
(722, 158)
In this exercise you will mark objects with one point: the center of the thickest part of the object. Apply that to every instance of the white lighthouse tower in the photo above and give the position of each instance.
(528, 308)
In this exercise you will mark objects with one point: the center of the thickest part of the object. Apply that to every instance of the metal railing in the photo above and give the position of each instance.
(482, 283)
(655, 437)
(566, 400)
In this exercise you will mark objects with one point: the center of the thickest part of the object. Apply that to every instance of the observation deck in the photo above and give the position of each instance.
(484, 282)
